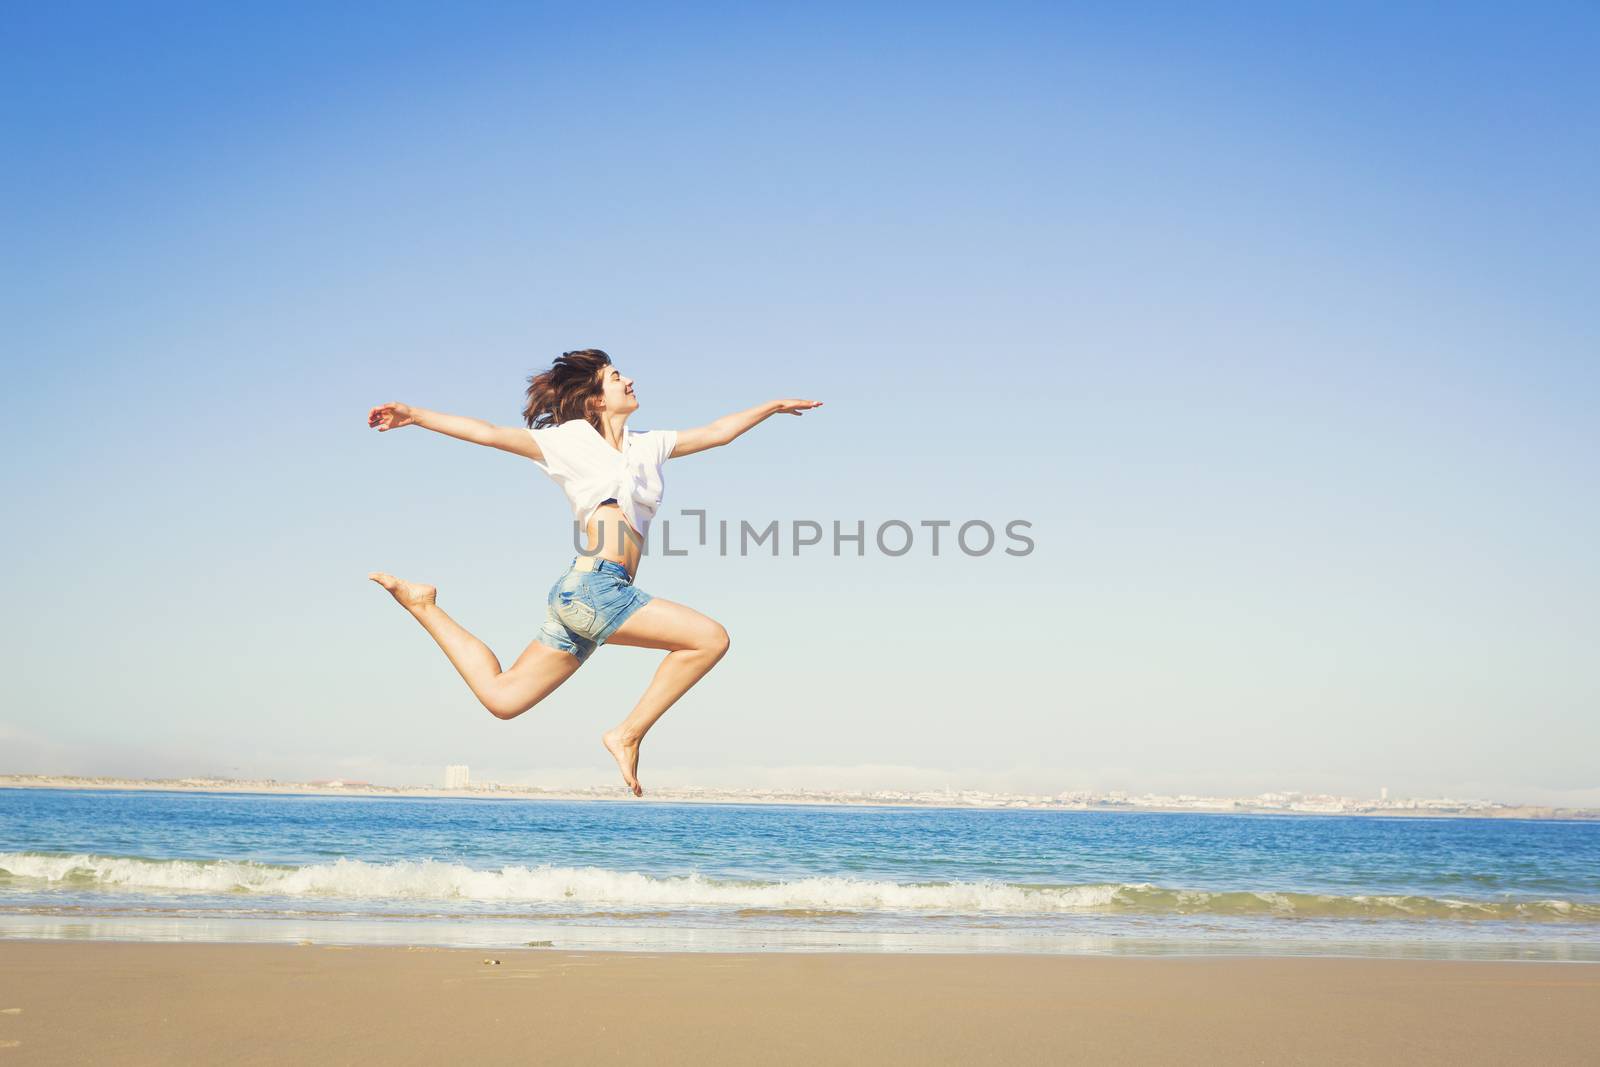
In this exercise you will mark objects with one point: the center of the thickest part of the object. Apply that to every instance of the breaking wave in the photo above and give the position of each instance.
(432, 880)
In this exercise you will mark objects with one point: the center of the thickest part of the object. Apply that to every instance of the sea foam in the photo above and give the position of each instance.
(432, 880)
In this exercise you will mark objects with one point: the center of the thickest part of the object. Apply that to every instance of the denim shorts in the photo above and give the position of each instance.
(586, 607)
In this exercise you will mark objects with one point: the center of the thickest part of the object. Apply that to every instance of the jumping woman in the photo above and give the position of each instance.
(577, 433)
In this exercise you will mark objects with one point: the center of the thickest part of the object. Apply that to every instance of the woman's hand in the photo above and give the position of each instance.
(795, 407)
(390, 417)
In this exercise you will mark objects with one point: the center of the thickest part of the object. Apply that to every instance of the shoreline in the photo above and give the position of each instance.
(554, 947)
(137, 1003)
(619, 794)
(442, 933)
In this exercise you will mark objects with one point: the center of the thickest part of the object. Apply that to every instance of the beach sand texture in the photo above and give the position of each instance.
(105, 1002)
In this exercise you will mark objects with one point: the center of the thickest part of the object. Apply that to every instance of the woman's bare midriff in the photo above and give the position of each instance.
(622, 543)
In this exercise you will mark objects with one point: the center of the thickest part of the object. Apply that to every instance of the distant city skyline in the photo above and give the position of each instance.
(1282, 802)
(1275, 322)
(677, 782)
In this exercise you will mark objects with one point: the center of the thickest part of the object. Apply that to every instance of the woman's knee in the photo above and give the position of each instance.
(717, 640)
(502, 707)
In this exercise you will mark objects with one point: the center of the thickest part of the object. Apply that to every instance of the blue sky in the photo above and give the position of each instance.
(1275, 321)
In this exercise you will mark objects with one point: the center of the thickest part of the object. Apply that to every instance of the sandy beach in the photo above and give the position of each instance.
(81, 1002)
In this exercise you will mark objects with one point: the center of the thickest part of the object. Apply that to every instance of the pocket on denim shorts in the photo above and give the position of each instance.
(574, 613)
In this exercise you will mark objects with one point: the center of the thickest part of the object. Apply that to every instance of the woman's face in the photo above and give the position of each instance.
(617, 392)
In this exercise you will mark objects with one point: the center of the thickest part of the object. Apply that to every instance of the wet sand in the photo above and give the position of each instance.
(104, 1002)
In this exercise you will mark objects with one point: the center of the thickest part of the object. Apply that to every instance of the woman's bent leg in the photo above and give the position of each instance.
(695, 643)
(536, 674)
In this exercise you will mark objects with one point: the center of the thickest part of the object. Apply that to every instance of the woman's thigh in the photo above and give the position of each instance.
(538, 672)
(663, 623)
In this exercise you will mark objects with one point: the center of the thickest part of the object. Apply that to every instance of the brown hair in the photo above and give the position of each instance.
(568, 390)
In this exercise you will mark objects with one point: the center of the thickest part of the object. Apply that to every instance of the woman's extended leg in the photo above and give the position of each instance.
(507, 694)
(695, 643)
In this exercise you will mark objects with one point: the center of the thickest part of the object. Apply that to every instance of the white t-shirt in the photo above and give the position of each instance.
(589, 470)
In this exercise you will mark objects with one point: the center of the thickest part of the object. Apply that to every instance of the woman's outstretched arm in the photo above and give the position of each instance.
(721, 431)
(506, 438)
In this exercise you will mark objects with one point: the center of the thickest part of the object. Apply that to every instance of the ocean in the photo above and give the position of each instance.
(636, 875)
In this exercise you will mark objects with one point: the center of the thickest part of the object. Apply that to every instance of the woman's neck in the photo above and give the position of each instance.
(614, 428)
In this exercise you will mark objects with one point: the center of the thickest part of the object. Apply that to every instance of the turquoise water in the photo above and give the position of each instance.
(598, 874)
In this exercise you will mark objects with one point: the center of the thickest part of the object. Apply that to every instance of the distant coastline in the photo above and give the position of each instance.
(1266, 804)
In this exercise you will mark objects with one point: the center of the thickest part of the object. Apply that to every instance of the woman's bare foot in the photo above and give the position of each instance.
(412, 596)
(627, 757)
